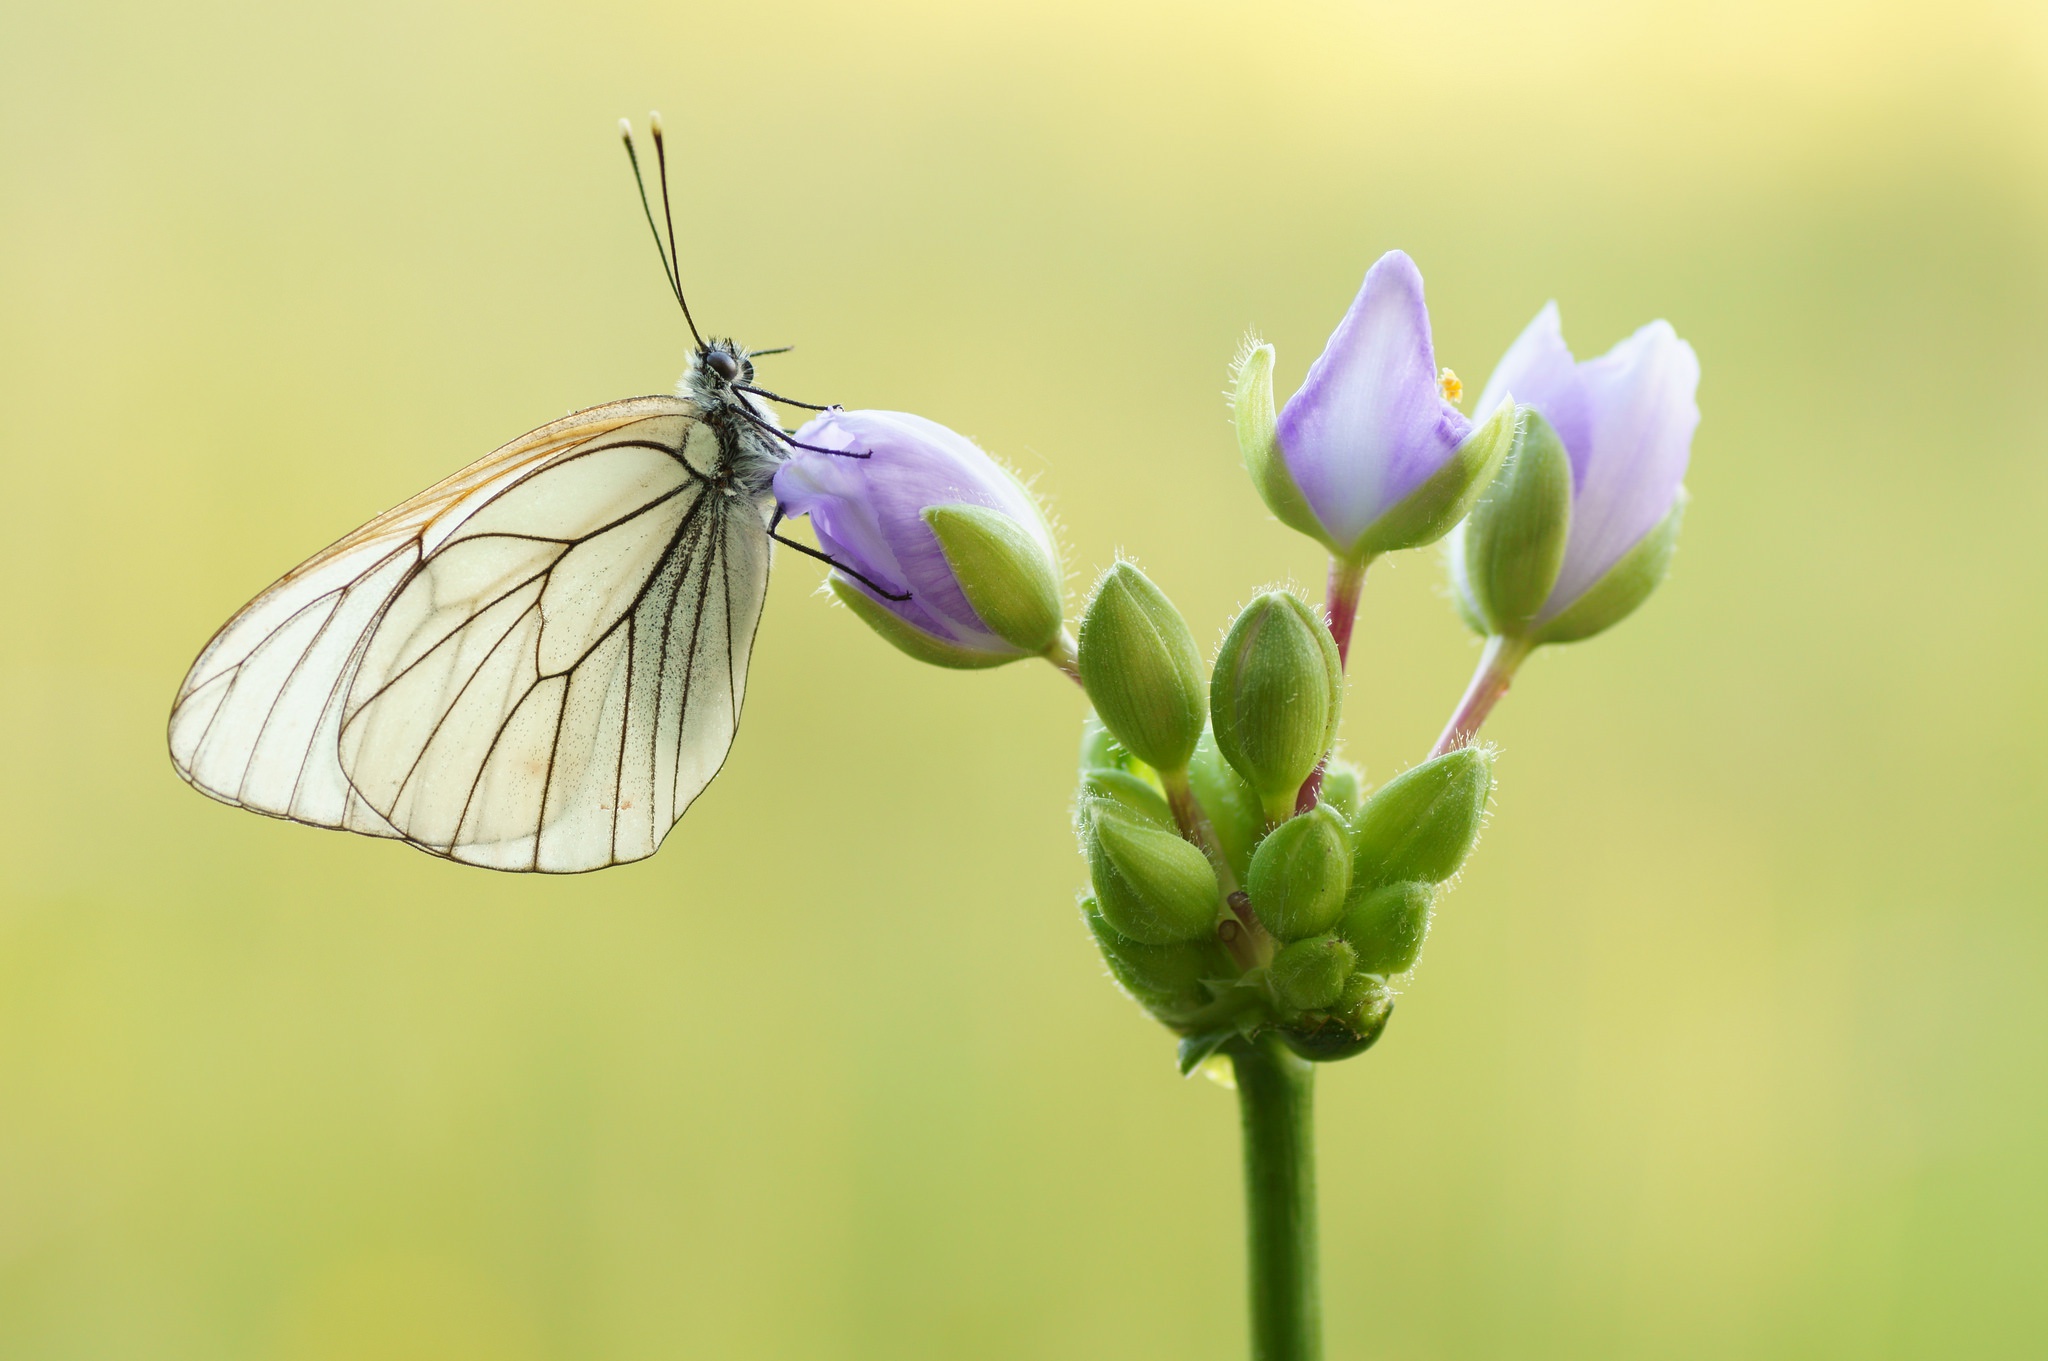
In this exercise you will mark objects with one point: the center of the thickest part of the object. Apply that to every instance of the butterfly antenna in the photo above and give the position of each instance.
(675, 260)
(668, 265)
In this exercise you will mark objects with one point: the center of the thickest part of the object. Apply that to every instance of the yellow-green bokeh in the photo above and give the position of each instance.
(1731, 1042)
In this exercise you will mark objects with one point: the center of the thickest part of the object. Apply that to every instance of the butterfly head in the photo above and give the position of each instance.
(726, 361)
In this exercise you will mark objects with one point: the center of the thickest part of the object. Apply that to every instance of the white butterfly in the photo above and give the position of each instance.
(536, 664)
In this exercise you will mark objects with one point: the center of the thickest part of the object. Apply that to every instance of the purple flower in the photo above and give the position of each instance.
(1369, 446)
(929, 515)
(1626, 421)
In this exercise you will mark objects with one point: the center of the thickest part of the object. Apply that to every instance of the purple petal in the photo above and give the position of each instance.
(1641, 407)
(1538, 370)
(1370, 424)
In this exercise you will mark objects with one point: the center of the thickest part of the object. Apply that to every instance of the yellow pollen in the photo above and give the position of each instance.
(1454, 391)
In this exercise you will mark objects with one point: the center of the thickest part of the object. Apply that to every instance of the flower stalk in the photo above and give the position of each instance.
(1276, 1103)
(1496, 671)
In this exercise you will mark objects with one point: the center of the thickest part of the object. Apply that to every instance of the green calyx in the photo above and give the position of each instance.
(1301, 874)
(1421, 825)
(1151, 885)
(1004, 571)
(1232, 805)
(912, 641)
(1433, 509)
(1309, 975)
(1626, 585)
(1258, 441)
(1343, 786)
(1140, 667)
(1387, 925)
(1512, 545)
(1276, 696)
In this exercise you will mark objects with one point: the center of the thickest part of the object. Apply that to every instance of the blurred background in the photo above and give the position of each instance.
(1732, 1041)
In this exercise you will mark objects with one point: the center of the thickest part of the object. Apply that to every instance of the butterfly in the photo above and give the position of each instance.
(535, 664)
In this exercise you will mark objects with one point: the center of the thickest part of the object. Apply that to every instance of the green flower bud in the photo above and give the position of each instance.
(1003, 570)
(1343, 787)
(1150, 885)
(1423, 823)
(1358, 1019)
(1309, 974)
(1275, 697)
(1386, 925)
(1141, 668)
(1625, 585)
(1126, 794)
(1232, 805)
(1512, 545)
(1301, 874)
(1099, 751)
(1167, 980)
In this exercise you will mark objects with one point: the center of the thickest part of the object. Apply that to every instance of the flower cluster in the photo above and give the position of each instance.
(1243, 881)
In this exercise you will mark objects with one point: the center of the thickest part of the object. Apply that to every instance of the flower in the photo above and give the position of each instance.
(922, 512)
(1626, 421)
(1368, 456)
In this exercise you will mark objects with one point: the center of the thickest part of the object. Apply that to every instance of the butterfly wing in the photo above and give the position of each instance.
(259, 721)
(563, 675)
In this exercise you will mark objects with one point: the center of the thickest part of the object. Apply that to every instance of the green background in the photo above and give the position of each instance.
(1732, 1041)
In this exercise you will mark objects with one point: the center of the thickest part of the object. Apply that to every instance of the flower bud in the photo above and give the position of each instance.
(1626, 421)
(1309, 974)
(1232, 805)
(1343, 786)
(1357, 1020)
(1167, 980)
(1510, 548)
(1099, 751)
(1386, 925)
(1368, 456)
(1301, 874)
(1275, 697)
(1128, 795)
(926, 514)
(1422, 824)
(1150, 885)
(1142, 670)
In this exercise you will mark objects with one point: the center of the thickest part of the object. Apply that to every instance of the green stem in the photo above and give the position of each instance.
(1497, 667)
(1063, 654)
(1275, 1092)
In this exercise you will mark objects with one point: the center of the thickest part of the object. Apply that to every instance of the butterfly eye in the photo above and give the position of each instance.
(722, 364)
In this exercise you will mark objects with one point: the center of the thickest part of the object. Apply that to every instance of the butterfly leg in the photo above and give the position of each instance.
(829, 560)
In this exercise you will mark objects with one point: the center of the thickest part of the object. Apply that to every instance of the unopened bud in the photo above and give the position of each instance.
(1232, 805)
(1386, 925)
(1167, 980)
(1276, 696)
(1422, 824)
(1343, 786)
(1141, 668)
(1126, 794)
(1309, 974)
(1301, 874)
(1150, 885)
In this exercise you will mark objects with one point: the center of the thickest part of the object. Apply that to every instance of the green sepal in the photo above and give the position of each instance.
(1309, 974)
(1127, 794)
(1232, 805)
(1513, 542)
(1387, 925)
(1301, 874)
(1150, 885)
(1423, 823)
(1626, 585)
(1433, 509)
(1276, 696)
(1142, 670)
(912, 641)
(1343, 787)
(1258, 441)
(1003, 570)
(1170, 981)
